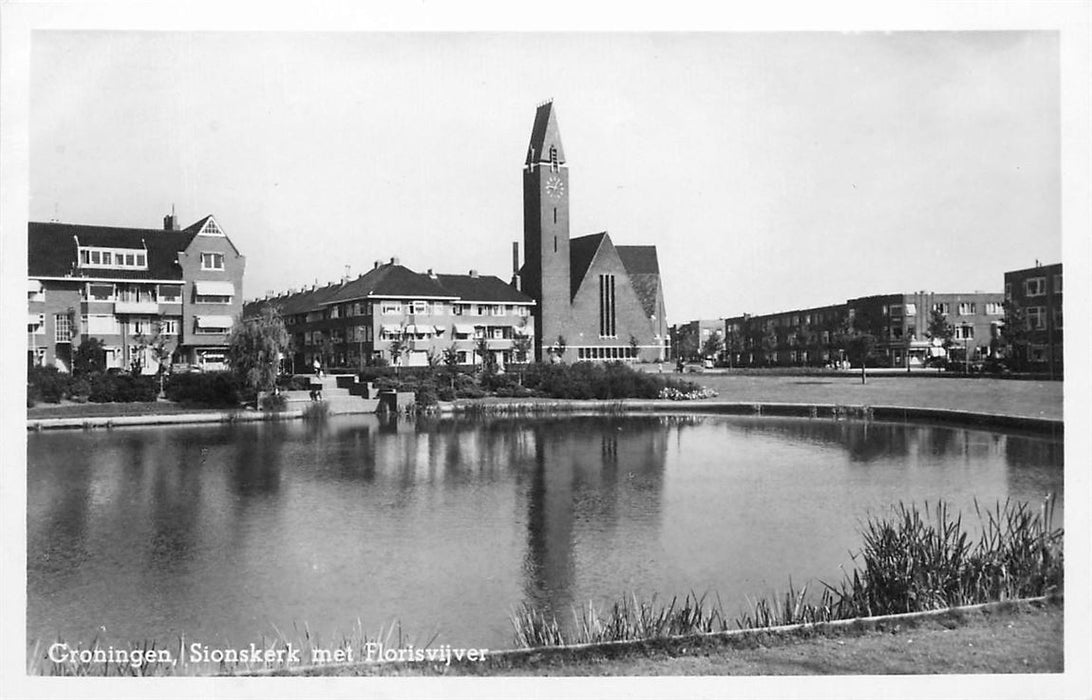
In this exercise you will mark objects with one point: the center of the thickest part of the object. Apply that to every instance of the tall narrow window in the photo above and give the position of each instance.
(555, 244)
(607, 315)
(555, 215)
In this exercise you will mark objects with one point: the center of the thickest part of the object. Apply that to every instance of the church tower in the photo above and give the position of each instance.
(546, 275)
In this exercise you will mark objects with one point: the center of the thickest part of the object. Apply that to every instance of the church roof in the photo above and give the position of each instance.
(643, 268)
(582, 251)
(545, 134)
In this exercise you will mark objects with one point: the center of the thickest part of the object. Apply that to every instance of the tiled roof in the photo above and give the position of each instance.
(582, 251)
(398, 282)
(643, 267)
(639, 259)
(51, 249)
(390, 280)
(483, 288)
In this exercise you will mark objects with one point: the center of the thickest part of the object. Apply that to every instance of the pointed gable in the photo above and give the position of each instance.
(545, 136)
(582, 252)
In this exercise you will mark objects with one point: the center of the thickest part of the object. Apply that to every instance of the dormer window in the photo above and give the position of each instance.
(113, 258)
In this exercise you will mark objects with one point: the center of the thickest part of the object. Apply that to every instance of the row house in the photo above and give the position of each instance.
(129, 288)
(798, 337)
(1035, 294)
(396, 315)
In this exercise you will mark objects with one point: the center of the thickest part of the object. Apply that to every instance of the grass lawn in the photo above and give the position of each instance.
(1025, 640)
(1037, 399)
(68, 409)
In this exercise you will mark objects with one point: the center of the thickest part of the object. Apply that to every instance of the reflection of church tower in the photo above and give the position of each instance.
(545, 276)
(598, 486)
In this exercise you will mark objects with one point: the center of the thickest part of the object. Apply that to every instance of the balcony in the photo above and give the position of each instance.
(136, 307)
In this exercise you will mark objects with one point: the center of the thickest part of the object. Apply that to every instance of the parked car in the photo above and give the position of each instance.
(995, 365)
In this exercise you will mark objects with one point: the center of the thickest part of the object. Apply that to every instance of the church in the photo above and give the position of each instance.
(594, 300)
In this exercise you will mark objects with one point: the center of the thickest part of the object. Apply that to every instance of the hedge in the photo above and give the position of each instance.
(206, 388)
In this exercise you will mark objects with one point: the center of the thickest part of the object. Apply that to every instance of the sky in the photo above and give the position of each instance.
(773, 171)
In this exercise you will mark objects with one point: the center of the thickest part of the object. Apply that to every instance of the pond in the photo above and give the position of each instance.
(228, 533)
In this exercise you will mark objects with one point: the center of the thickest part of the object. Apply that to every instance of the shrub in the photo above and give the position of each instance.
(587, 380)
(207, 388)
(446, 394)
(274, 402)
(49, 384)
(79, 389)
(294, 382)
(121, 388)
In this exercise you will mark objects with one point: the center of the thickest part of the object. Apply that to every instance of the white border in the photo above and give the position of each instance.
(19, 19)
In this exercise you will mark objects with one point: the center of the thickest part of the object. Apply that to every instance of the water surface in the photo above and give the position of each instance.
(226, 533)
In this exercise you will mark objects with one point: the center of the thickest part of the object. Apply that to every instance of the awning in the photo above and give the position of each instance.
(413, 329)
(392, 328)
(34, 320)
(34, 286)
(465, 328)
(215, 321)
(216, 289)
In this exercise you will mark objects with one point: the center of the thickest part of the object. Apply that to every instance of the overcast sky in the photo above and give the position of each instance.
(772, 170)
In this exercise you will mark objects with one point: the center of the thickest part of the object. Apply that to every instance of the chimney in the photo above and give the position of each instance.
(431, 273)
(515, 264)
(474, 274)
(394, 261)
(376, 265)
(169, 221)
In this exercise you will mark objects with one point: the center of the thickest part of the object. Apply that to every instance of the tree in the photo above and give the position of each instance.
(712, 346)
(1014, 334)
(481, 348)
(633, 345)
(255, 347)
(155, 345)
(938, 328)
(733, 345)
(769, 344)
(558, 350)
(451, 361)
(89, 358)
(521, 345)
(398, 347)
(860, 348)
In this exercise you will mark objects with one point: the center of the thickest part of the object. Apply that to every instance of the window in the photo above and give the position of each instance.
(483, 309)
(1057, 284)
(168, 326)
(457, 309)
(911, 333)
(335, 312)
(103, 324)
(62, 328)
(994, 309)
(117, 258)
(607, 311)
(212, 261)
(963, 332)
(170, 293)
(521, 310)
(211, 299)
(141, 325)
(1058, 317)
(100, 292)
(419, 308)
(390, 308)
(1036, 318)
(911, 309)
(498, 310)
(941, 307)
(1035, 286)
(966, 308)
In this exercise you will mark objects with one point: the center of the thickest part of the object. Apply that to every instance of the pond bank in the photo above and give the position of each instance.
(544, 406)
(1004, 637)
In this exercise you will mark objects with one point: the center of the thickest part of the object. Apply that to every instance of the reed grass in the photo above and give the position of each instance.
(912, 560)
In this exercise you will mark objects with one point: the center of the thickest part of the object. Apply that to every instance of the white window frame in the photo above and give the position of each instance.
(967, 308)
(209, 260)
(61, 322)
(1039, 314)
(1035, 286)
(212, 299)
(419, 308)
(390, 308)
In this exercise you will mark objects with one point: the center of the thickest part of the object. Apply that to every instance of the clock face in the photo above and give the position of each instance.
(555, 187)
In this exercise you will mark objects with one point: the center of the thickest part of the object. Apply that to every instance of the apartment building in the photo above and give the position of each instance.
(126, 285)
(394, 314)
(1035, 294)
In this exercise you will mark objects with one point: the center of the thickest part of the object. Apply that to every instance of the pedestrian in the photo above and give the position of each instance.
(317, 365)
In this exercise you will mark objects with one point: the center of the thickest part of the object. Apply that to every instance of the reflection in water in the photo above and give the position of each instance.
(220, 532)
